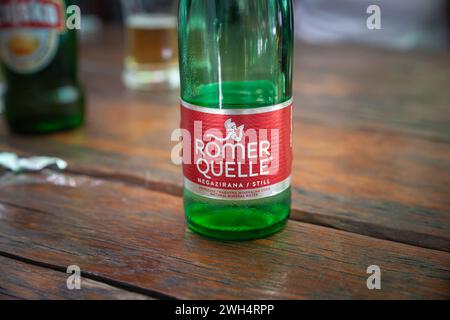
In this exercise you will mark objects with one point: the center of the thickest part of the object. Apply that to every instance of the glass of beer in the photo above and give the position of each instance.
(151, 61)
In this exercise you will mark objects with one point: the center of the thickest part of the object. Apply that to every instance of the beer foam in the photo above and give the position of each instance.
(151, 21)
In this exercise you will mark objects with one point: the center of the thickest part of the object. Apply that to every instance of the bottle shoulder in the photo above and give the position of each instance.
(236, 95)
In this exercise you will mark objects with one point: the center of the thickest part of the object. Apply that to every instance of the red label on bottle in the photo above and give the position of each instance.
(31, 14)
(237, 154)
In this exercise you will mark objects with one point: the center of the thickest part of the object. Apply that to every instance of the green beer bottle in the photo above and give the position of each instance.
(236, 115)
(39, 58)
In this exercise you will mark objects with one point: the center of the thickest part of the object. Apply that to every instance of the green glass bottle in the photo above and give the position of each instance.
(236, 78)
(39, 58)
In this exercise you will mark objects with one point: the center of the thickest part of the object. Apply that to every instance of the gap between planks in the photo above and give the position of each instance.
(111, 282)
(175, 190)
(370, 230)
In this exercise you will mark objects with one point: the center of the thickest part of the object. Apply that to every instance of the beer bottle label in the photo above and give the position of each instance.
(237, 154)
(29, 33)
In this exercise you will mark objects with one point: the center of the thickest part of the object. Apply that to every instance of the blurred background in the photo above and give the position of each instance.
(150, 58)
(406, 24)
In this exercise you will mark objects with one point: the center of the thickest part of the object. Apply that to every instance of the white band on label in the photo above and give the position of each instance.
(238, 194)
(236, 111)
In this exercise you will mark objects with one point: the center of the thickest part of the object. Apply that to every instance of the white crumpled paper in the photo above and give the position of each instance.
(10, 161)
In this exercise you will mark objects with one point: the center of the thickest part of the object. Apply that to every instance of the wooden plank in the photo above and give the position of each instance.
(337, 85)
(372, 151)
(138, 236)
(375, 183)
(19, 280)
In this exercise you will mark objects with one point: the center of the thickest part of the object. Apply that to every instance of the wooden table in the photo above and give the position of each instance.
(371, 186)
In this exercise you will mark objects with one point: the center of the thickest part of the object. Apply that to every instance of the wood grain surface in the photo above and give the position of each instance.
(371, 186)
(137, 236)
(22, 280)
(371, 140)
